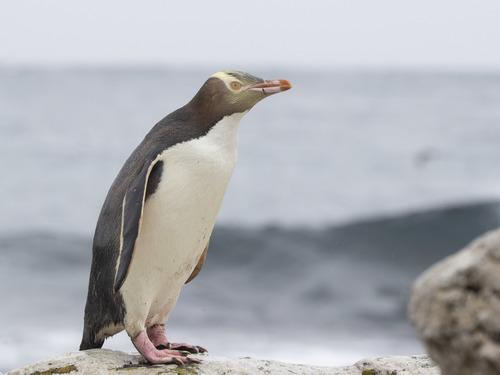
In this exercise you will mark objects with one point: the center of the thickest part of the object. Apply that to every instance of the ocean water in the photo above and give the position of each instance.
(347, 187)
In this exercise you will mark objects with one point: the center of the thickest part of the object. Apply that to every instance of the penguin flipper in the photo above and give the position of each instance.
(132, 214)
(199, 265)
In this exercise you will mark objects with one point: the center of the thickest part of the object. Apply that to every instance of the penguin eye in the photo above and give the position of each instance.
(235, 85)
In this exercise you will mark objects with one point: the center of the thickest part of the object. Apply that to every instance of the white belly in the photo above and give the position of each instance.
(177, 223)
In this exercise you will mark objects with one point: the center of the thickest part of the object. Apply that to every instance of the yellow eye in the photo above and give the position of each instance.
(235, 85)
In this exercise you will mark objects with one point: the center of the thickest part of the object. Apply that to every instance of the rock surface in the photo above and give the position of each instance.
(455, 307)
(398, 365)
(103, 361)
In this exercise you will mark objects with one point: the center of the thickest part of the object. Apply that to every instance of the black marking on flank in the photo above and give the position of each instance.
(154, 179)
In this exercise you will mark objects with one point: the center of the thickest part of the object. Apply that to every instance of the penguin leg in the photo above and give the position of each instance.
(144, 345)
(157, 336)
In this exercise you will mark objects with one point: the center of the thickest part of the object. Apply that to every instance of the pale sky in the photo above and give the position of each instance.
(443, 34)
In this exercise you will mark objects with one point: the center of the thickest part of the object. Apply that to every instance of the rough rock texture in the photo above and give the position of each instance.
(398, 365)
(455, 307)
(102, 361)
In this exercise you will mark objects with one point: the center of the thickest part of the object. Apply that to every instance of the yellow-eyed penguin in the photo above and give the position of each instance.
(154, 227)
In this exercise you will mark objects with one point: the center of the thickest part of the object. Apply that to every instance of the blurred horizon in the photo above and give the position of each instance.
(253, 68)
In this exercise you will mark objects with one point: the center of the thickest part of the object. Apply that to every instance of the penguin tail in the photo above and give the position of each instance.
(89, 341)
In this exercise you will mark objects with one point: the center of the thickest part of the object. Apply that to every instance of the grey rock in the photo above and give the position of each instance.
(398, 365)
(455, 308)
(103, 361)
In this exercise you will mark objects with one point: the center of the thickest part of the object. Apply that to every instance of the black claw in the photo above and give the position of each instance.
(177, 361)
(191, 349)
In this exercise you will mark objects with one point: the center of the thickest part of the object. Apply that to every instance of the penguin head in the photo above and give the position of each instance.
(231, 91)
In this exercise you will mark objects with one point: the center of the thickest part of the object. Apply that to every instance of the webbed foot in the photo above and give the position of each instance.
(144, 345)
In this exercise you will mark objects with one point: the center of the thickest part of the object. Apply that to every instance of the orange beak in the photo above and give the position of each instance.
(271, 86)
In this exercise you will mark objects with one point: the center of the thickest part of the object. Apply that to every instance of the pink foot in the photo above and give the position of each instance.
(144, 345)
(157, 336)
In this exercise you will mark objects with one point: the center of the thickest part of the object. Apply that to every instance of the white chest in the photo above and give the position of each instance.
(179, 217)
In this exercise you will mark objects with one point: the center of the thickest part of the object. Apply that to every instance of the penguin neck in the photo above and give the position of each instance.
(225, 131)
